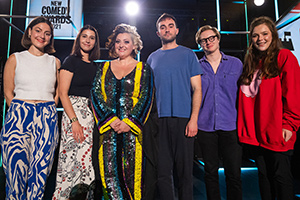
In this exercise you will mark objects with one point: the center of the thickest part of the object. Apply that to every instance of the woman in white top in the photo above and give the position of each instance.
(30, 133)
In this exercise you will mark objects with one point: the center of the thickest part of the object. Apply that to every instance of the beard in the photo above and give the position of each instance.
(169, 40)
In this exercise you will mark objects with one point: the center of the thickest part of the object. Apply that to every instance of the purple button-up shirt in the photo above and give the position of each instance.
(219, 92)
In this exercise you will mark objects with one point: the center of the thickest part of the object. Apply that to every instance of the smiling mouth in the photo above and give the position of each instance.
(261, 44)
(40, 41)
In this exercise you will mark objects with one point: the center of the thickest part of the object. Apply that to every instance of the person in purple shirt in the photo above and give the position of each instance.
(217, 134)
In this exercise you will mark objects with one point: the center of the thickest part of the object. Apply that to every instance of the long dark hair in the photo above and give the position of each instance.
(26, 41)
(95, 52)
(269, 57)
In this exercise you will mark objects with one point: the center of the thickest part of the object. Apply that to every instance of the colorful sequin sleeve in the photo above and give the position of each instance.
(103, 114)
(142, 98)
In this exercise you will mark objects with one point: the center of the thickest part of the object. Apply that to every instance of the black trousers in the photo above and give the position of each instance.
(175, 153)
(274, 174)
(225, 145)
(98, 192)
(150, 147)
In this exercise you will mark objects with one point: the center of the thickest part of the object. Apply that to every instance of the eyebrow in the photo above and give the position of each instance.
(261, 32)
(42, 29)
(88, 35)
(209, 36)
(167, 24)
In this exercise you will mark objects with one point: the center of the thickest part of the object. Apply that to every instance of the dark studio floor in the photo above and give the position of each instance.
(249, 180)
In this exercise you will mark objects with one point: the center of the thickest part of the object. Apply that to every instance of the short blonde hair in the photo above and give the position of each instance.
(205, 28)
(124, 28)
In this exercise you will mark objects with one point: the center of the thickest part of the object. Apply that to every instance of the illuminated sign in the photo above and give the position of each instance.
(65, 15)
(289, 29)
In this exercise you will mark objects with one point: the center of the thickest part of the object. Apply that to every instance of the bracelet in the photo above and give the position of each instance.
(74, 119)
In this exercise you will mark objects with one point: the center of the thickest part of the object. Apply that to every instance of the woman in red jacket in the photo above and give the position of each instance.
(269, 109)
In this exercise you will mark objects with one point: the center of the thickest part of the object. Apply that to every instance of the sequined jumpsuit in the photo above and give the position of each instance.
(120, 155)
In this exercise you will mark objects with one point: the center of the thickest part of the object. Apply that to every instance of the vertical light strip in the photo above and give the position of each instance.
(138, 56)
(9, 28)
(276, 9)
(8, 51)
(246, 19)
(82, 19)
(27, 13)
(218, 15)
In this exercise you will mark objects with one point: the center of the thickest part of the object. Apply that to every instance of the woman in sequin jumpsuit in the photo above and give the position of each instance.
(122, 96)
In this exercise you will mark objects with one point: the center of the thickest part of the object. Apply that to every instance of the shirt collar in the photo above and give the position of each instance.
(224, 57)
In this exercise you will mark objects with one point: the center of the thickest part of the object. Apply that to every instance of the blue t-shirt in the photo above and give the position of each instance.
(173, 69)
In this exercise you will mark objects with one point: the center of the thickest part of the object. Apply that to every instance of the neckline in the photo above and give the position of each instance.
(123, 76)
(35, 55)
(170, 49)
(85, 61)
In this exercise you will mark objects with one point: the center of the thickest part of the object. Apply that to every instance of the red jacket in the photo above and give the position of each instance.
(274, 105)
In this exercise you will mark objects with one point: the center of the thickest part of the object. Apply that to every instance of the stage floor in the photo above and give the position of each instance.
(249, 181)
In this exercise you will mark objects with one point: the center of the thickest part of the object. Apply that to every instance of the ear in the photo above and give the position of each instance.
(157, 33)
(177, 31)
(29, 32)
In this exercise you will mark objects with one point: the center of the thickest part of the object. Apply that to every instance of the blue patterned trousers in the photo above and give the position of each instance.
(28, 141)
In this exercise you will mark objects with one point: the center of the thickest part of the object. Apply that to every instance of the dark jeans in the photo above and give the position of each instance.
(274, 173)
(176, 152)
(222, 144)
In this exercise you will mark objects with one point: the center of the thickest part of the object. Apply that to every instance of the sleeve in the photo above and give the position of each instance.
(103, 114)
(239, 65)
(195, 66)
(144, 89)
(69, 64)
(290, 83)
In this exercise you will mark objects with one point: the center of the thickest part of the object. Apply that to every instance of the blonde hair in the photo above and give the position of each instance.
(124, 28)
(205, 28)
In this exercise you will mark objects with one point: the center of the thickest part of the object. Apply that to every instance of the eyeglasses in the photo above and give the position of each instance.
(204, 40)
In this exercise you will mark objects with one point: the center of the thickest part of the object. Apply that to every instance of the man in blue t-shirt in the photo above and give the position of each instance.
(177, 75)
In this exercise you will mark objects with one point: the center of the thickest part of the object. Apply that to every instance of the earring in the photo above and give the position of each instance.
(29, 36)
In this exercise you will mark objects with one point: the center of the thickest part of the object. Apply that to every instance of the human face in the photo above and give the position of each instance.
(87, 40)
(40, 35)
(124, 45)
(167, 30)
(209, 41)
(262, 37)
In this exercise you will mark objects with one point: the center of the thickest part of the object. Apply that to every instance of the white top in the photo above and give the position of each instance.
(35, 76)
